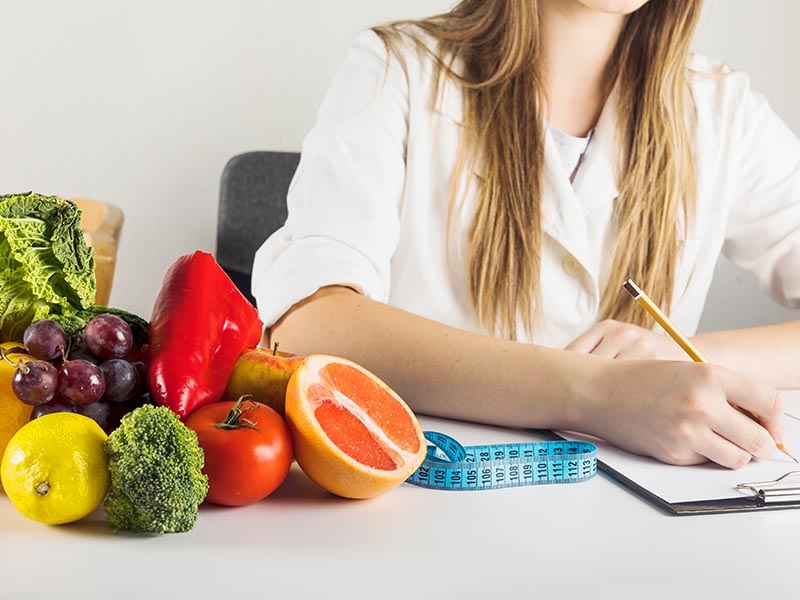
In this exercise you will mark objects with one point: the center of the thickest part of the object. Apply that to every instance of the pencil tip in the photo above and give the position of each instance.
(783, 449)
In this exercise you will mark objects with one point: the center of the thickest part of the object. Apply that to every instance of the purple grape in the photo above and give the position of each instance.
(141, 371)
(99, 411)
(79, 349)
(81, 382)
(108, 336)
(45, 339)
(35, 382)
(55, 405)
(122, 380)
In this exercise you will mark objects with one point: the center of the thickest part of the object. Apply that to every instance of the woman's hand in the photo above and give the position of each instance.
(686, 413)
(615, 339)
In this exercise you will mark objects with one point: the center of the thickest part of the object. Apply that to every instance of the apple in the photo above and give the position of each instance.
(264, 375)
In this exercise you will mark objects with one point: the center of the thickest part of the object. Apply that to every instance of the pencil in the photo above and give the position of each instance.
(684, 342)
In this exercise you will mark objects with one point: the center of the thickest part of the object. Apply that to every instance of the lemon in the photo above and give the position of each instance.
(55, 470)
(13, 413)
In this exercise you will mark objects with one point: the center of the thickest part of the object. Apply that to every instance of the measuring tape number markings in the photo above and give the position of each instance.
(451, 466)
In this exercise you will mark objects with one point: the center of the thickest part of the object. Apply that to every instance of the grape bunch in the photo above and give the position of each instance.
(95, 372)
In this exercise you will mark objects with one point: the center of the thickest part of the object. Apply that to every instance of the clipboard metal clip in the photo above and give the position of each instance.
(776, 490)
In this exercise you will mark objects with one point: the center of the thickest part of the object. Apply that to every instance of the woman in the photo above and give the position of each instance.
(479, 185)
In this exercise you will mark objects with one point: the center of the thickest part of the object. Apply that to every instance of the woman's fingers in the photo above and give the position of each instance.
(738, 433)
(754, 403)
(725, 436)
(736, 438)
(721, 450)
(685, 413)
(614, 339)
(587, 341)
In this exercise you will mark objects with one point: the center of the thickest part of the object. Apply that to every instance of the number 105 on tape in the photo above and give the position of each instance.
(451, 466)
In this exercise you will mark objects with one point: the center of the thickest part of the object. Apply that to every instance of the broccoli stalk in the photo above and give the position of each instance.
(156, 479)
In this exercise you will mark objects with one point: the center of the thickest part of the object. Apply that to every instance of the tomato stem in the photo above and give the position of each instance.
(235, 417)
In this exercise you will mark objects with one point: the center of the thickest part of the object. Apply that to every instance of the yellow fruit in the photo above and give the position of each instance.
(352, 434)
(55, 470)
(13, 413)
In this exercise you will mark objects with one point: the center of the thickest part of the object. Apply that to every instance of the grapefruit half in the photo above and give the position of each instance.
(353, 435)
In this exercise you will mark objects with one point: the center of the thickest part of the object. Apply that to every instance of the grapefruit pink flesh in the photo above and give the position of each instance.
(361, 418)
(352, 437)
(378, 405)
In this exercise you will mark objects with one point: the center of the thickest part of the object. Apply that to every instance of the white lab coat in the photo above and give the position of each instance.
(368, 204)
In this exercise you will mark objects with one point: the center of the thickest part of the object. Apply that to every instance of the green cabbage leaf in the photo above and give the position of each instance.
(46, 268)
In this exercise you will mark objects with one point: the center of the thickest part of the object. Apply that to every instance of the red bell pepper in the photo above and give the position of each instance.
(200, 324)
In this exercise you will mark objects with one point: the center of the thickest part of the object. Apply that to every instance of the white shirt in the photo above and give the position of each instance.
(368, 204)
(570, 148)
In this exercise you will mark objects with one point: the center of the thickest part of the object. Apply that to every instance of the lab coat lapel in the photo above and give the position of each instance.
(595, 182)
(562, 215)
(567, 205)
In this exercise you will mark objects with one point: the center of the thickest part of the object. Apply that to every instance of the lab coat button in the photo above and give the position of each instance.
(571, 265)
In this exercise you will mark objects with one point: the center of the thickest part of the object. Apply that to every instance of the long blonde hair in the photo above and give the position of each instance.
(498, 44)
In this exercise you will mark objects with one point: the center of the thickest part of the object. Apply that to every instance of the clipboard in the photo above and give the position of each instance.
(762, 485)
(766, 495)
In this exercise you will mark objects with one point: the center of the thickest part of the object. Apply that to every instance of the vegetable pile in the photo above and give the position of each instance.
(193, 409)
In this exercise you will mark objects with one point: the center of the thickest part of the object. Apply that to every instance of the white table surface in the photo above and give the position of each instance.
(592, 540)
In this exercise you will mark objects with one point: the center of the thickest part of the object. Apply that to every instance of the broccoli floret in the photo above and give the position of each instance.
(156, 480)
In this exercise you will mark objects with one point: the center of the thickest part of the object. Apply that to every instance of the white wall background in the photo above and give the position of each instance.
(141, 103)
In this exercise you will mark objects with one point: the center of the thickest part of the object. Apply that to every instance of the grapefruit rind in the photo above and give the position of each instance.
(323, 460)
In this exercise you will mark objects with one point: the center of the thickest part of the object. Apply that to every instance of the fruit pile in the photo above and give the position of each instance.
(197, 413)
(96, 372)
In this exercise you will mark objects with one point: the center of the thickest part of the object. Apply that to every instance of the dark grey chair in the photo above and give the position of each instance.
(252, 205)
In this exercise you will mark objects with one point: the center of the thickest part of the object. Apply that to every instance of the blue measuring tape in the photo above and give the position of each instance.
(451, 466)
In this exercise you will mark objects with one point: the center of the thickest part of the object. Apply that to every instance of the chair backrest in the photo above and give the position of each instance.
(252, 205)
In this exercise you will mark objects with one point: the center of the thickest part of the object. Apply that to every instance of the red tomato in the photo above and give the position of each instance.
(248, 450)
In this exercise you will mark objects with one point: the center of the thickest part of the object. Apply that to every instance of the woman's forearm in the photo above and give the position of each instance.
(437, 369)
(770, 352)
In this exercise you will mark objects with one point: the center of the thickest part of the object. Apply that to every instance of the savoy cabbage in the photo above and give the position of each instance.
(46, 268)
